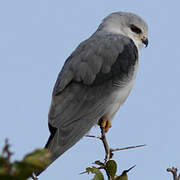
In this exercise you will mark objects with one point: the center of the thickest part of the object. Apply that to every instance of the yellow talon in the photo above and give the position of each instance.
(108, 125)
(105, 123)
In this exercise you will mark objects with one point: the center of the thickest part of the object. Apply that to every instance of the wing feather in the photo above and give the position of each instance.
(80, 95)
(93, 56)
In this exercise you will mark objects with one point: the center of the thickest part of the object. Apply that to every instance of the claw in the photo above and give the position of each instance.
(108, 125)
(105, 123)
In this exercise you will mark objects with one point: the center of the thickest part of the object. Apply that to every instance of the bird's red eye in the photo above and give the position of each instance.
(135, 29)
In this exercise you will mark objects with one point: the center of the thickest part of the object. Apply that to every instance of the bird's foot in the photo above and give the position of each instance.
(105, 123)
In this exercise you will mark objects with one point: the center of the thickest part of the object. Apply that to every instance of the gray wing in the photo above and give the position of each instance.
(81, 90)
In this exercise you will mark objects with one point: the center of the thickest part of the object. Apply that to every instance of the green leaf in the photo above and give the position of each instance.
(3, 170)
(2, 161)
(40, 158)
(7, 177)
(23, 170)
(123, 176)
(96, 171)
(111, 167)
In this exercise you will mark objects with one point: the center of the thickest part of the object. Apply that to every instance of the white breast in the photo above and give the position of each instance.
(120, 96)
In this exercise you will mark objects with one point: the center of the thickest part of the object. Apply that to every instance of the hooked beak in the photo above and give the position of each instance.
(145, 41)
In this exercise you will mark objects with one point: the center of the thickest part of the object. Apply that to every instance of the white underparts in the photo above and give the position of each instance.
(120, 96)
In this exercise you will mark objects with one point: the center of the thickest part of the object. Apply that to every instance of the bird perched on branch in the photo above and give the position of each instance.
(95, 80)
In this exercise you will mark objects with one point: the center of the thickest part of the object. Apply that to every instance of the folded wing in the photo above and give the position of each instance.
(80, 95)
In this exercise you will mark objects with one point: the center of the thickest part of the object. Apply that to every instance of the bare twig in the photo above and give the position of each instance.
(125, 148)
(109, 151)
(106, 146)
(91, 136)
(104, 141)
(174, 172)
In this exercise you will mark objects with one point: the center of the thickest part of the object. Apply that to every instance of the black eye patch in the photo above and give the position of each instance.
(135, 29)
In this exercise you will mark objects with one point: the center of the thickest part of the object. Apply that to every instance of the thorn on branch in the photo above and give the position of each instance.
(109, 152)
(91, 136)
(129, 169)
(125, 148)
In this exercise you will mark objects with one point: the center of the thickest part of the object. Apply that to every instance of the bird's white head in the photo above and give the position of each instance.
(127, 24)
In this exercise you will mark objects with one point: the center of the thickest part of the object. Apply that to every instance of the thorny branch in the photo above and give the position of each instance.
(125, 148)
(106, 146)
(109, 151)
(174, 172)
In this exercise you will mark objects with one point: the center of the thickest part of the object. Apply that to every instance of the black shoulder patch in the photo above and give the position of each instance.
(126, 59)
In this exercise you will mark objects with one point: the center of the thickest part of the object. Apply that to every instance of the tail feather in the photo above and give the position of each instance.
(53, 131)
(48, 144)
(63, 138)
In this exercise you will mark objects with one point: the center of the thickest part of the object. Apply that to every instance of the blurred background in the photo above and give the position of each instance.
(37, 36)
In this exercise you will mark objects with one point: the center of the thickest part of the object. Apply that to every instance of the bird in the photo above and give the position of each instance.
(95, 80)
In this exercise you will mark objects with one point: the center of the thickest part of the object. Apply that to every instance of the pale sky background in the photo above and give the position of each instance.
(36, 37)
